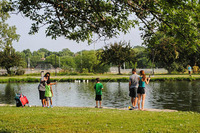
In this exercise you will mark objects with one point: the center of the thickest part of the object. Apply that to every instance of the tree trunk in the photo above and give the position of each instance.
(8, 70)
(119, 72)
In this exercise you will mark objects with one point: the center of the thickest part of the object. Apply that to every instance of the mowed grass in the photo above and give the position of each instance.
(68, 119)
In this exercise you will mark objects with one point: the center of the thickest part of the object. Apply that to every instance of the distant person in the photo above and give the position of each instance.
(141, 89)
(133, 87)
(41, 88)
(48, 94)
(189, 70)
(98, 89)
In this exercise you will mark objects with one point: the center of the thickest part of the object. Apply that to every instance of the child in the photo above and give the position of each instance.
(48, 93)
(98, 88)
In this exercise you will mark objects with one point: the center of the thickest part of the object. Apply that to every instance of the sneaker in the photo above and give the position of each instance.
(51, 106)
(96, 106)
(100, 107)
(135, 107)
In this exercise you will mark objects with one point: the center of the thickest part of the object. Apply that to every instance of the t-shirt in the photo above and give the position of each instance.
(41, 86)
(189, 68)
(134, 80)
(141, 83)
(98, 88)
(48, 91)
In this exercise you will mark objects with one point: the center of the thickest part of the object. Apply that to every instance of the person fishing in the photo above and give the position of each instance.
(133, 87)
(141, 89)
(41, 89)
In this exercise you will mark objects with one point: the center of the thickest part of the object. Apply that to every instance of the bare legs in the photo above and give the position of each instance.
(134, 101)
(43, 102)
(97, 104)
(139, 99)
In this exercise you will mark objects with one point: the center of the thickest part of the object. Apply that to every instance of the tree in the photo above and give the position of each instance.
(117, 54)
(164, 50)
(7, 33)
(67, 62)
(9, 58)
(65, 52)
(85, 61)
(75, 19)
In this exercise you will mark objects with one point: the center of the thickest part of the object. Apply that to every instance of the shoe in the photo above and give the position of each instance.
(135, 107)
(96, 106)
(100, 107)
(51, 106)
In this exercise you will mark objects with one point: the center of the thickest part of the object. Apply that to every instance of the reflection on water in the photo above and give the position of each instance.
(180, 95)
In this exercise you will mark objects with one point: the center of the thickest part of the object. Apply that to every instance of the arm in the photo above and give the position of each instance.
(51, 91)
(147, 80)
(129, 84)
(52, 83)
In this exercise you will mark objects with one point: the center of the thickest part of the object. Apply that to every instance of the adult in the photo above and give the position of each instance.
(189, 69)
(133, 86)
(41, 88)
(141, 89)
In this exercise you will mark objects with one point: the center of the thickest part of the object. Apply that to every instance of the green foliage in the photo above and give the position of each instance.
(86, 61)
(117, 54)
(163, 49)
(7, 33)
(76, 20)
(20, 72)
(9, 58)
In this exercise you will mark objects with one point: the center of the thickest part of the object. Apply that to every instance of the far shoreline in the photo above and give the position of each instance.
(91, 78)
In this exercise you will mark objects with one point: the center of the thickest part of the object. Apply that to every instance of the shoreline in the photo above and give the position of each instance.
(146, 109)
(104, 78)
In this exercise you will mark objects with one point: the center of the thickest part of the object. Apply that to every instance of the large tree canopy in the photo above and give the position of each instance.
(79, 19)
(75, 19)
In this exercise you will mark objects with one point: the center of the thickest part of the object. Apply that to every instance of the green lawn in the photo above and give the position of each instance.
(66, 119)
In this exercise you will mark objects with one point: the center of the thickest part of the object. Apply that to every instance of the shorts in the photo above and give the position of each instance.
(41, 93)
(48, 98)
(133, 92)
(98, 98)
(141, 90)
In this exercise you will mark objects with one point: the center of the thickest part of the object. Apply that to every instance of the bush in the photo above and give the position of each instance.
(20, 72)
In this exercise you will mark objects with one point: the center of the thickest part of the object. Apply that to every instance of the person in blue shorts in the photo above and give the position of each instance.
(98, 89)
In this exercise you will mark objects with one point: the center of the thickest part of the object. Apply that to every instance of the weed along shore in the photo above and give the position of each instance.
(104, 78)
(77, 119)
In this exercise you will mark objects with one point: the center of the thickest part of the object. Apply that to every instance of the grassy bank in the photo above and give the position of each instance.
(104, 78)
(65, 119)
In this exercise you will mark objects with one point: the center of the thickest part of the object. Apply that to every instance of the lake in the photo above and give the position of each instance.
(177, 95)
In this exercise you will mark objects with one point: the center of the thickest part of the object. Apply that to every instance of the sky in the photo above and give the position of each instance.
(39, 40)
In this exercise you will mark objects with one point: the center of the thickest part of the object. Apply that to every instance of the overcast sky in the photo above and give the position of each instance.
(39, 40)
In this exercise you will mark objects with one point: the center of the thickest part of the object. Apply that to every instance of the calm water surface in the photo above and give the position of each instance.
(179, 95)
